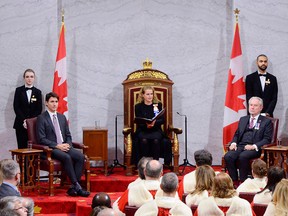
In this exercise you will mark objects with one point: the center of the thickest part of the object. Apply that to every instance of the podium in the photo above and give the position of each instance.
(97, 141)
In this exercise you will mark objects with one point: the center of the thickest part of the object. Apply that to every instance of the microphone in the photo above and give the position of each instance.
(180, 114)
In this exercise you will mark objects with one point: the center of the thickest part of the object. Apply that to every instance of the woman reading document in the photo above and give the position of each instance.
(149, 134)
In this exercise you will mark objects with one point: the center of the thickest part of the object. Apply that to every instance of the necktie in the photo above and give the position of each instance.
(251, 123)
(27, 88)
(262, 75)
(57, 129)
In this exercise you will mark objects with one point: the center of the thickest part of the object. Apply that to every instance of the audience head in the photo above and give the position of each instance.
(274, 175)
(141, 166)
(10, 171)
(95, 211)
(1, 175)
(169, 183)
(204, 178)
(259, 168)
(101, 199)
(280, 198)
(203, 157)
(107, 212)
(143, 91)
(8, 212)
(153, 169)
(223, 186)
(13, 203)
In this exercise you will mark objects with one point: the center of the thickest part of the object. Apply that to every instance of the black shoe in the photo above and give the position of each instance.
(83, 193)
(72, 192)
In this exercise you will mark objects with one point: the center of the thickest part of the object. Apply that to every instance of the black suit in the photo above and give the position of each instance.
(23, 110)
(72, 160)
(260, 136)
(269, 95)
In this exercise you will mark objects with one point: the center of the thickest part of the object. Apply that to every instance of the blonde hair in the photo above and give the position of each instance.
(259, 168)
(223, 186)
(279, 198)
(204, 179)
(142, 92)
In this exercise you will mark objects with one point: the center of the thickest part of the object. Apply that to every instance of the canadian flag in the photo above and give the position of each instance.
(235, 103)
(60, 74)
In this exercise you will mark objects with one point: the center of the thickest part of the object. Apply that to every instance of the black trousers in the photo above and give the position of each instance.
(22, 137)
(240, 159)
(73, 162)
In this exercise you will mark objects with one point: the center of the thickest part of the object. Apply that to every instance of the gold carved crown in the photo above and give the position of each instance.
(147, 64)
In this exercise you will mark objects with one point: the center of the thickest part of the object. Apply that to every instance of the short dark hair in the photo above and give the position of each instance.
(141, 166)
(203, 157)
(51, 94)
(28, 70)
(261, 55)
(169, 182)
(101, 199)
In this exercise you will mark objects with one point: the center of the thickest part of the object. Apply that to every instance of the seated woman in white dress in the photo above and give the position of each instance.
(223, 200)
(259, 180)
(279, 205)
(275, 174)
(204, 180)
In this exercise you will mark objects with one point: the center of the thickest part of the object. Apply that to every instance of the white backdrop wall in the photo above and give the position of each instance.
(107, 39)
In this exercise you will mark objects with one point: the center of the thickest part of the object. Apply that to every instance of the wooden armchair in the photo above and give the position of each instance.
(51, 165)
(163, 88)
(275, 123)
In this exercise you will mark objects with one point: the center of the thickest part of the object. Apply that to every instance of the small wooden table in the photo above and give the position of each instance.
(32, 161)
(280, 154)
(97, 141)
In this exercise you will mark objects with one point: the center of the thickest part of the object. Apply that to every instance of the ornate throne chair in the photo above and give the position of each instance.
(163, 88)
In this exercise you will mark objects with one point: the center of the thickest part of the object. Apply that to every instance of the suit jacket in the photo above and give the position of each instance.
(46, 133)
(23, 109)
(261, 135)
(269, 96)
(7, 190)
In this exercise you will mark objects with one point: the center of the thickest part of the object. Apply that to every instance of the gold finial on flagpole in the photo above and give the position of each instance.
(62, 15)
(236, 12)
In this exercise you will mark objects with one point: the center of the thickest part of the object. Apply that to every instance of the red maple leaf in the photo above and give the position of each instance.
(234, 90)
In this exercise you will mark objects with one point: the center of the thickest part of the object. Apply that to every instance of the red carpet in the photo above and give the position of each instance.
(63, 205)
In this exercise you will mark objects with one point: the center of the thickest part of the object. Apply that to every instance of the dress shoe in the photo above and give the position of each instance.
(83, 193)
(72, 192)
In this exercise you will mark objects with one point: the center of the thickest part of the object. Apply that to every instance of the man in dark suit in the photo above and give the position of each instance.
(263, 85)
(252, 133)
(53, 131)
(10, 172)
(27, 104)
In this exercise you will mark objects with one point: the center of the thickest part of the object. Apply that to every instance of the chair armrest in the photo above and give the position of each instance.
(265, 146)
(78, 145)
(45, 149)
(126, 131)
(41, 147)
(175, 130)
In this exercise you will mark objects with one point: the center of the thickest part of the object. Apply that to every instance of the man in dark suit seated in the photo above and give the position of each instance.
(253, 132)
(53, 131)
(10, 172)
